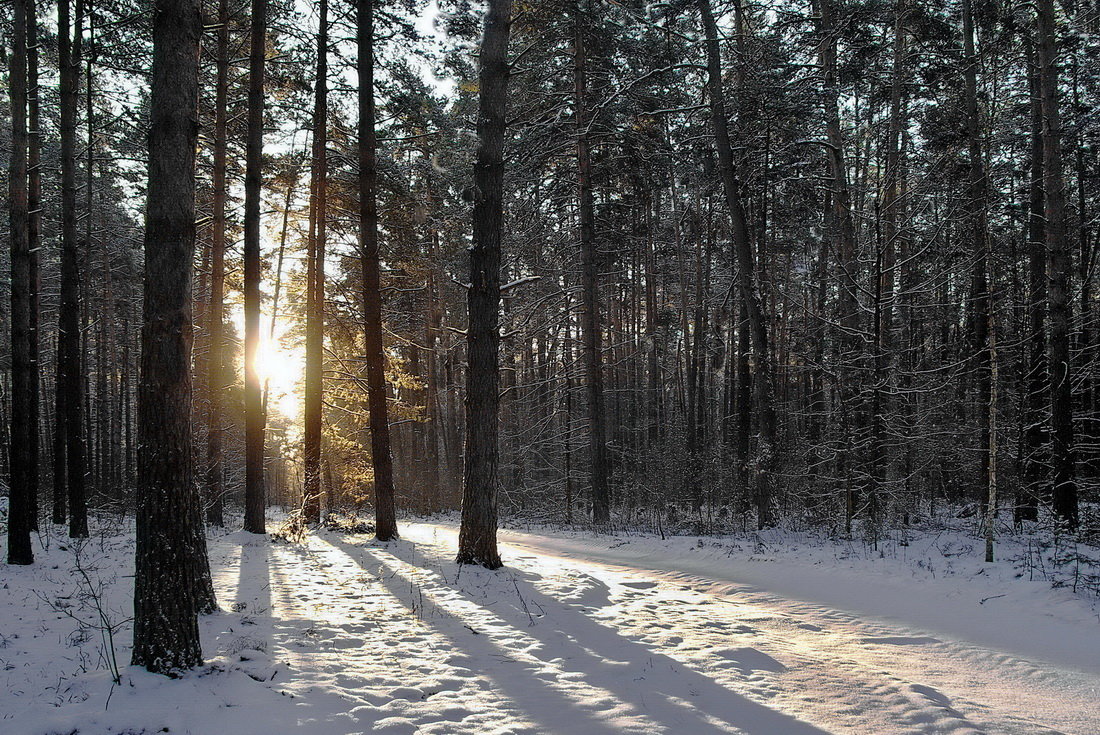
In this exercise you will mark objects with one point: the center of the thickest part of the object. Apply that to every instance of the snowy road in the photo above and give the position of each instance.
(584, 636)
(578, 635)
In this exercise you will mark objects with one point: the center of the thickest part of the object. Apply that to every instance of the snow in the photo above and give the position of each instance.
(776, 634)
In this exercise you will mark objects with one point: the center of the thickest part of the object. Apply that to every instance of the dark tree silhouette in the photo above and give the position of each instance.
(255, 496)
(477, 540)
(385, 517)
(166, 590)
(21, 463)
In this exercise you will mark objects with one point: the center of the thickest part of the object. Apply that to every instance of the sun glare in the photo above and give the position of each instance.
(281, 366)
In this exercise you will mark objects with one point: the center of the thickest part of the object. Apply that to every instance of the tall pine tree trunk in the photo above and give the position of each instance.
(20, 515)
(652, 312)
(1059, 304)
(215, 311)
(385, 517)
(432, 418)
(749, 284)
(590, 319)
(315, 281)
(70, 384)
(843, 232)
(884, 277)
(255, 501)
(34, 242)
(977, 214)
(477, 539)
(1032, 470)
(166, 594)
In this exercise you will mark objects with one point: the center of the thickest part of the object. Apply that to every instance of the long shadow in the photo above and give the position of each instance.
(685, 700)
(544, 705)
(597, 644)
(253, 597)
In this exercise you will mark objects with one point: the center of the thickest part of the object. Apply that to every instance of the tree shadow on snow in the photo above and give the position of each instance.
(651, 685)
(253, 598)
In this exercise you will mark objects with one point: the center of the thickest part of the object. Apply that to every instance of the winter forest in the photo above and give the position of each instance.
(571, 366)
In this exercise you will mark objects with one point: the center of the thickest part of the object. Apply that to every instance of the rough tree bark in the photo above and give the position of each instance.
(977, 214)
(385, 517)
(34, 242)
(749, 285)
(590, 318)
(255, 500)
(20, 515)
(70, 384)
(1059, 267)
(315, 281)
(166, 604)
(1032, 469)
(215, 312)
(842, 224)
(477, 539)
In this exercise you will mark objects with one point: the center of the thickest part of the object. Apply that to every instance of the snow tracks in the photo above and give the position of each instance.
(397, 638)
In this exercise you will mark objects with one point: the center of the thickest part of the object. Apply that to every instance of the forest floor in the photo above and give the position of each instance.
(579, 634)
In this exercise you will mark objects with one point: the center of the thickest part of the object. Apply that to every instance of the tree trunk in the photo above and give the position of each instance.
(432, 418)
(750, 287)
(166, 603)
(991, 410)
(590, 323)
(70, 383)
(20, 516)
(477, 542)
(254, 503)
(315, 282)
(34, 241)
(1060, 307)
(58, 509)
(652, 312)
(885, 276)
(214, 372)
(385, 517)
(277, 291)
(977, 214)
(1032, 469)
(844, 233)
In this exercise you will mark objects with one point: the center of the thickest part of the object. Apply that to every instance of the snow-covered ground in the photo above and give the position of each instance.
(578, 634)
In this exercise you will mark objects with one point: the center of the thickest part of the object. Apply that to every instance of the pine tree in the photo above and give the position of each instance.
(21, 463)
(591, 329)
(315, 280)
(477, 540)
(214, 359)
(385, 517)
(166, 589)
(70, 380)
(1059, 268)
(255, 500)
